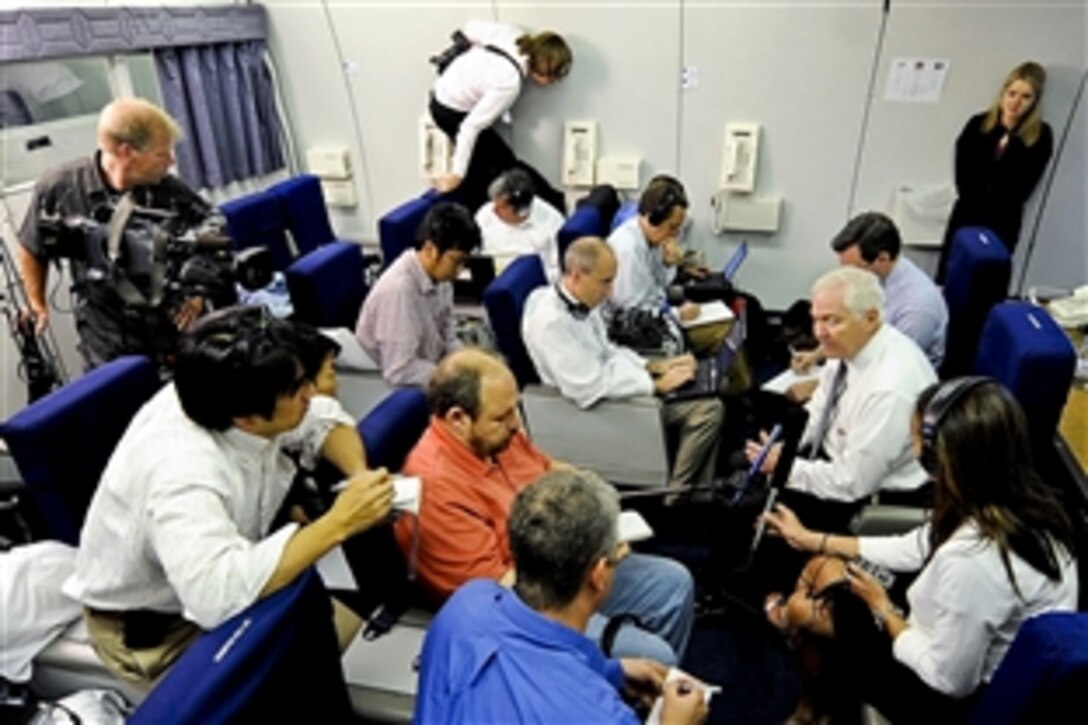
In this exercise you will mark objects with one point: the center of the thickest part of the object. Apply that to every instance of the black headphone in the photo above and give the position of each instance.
(517, 187)
(673, 196)
(944, 399)
(577, 309)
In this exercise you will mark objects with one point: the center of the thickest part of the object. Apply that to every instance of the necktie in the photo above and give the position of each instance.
(838, 385)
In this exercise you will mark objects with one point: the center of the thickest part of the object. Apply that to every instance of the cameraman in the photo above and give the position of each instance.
(135, 151)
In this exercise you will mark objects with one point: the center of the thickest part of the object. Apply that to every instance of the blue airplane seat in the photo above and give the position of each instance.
(504, 301)
(1044, 675)
(257, 220)
(584, 222)
(979, 269)
(1023, 348)
(627, 210)
(392, 428)
(304, 208)
(62, 442)
(327, 286)
(397, 229)
(276, 661)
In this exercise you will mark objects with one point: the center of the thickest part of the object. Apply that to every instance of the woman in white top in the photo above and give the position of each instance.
(998, 549)
(478, 88)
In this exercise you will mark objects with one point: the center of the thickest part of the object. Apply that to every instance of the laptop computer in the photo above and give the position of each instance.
(478, 273)
(735, 261)
(712, 371)
(717, 286)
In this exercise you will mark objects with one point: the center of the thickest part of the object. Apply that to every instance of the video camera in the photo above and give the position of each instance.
(152, 259)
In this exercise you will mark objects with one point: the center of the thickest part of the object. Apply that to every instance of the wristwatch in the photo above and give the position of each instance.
(880, 616)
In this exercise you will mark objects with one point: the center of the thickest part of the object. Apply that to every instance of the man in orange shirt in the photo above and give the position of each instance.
(473, 459)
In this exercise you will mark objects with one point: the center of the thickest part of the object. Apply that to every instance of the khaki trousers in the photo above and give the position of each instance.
(144, 667)
(698, 426)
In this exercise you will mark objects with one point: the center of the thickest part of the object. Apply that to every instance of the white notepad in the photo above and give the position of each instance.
(632, 527)
(675, 674)
(781, 383)
(406, 491)
(709, 313)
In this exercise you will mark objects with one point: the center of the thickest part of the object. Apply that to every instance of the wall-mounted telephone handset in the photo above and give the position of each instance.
(740, 156)
(435, 150)
(579, 152)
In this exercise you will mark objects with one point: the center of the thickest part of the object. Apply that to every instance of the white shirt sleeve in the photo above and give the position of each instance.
(967, 607)
(35, 610)
(321, 417)
(583, 366)
(496, 101)
(873, 443)
(215, 571)
(638, 284)
(904, 552)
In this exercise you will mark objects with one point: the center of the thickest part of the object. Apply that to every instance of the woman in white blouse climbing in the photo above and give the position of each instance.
(997, 549)
(476, 89)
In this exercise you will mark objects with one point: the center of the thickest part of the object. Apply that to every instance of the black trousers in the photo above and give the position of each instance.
(491, 156)
(777, 565)
(862, 668)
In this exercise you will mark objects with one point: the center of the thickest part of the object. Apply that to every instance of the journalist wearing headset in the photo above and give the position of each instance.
(997, 549)
(478, 87)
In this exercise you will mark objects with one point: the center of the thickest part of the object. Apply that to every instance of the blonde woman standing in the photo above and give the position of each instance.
(1000, 156)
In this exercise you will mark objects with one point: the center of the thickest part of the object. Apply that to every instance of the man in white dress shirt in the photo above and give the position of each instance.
(177, 538)
(517, 222)
(566, 339)
(858, 433)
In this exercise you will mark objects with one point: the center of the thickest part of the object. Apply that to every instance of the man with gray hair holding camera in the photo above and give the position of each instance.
(516, 221)
(499, 655)
(135, 152)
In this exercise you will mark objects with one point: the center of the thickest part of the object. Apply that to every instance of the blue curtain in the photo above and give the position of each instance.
(223, 97)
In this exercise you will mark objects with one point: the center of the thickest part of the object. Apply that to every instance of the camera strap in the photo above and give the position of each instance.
(124, 286)
(118, 221)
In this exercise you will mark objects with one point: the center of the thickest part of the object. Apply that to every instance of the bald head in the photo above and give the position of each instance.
(135, 122)
(475, 397)
(585, 253)
(459, 377)
(590, 269)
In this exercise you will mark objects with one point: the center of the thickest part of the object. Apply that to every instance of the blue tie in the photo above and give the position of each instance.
(838, 385)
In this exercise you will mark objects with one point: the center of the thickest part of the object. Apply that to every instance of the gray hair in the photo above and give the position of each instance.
(584, 254)
(136, 122)
(861, 290)
(559, 527)
(515, 185)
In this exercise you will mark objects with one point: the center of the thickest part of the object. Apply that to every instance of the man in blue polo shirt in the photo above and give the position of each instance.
(499, 655)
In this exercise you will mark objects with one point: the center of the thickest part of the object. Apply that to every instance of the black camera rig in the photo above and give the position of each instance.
(40, 366)
(136, 269)
(152, 259)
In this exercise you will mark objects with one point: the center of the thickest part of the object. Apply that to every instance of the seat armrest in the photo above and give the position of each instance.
(886, 520)
(622, 440)
(360, 390)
